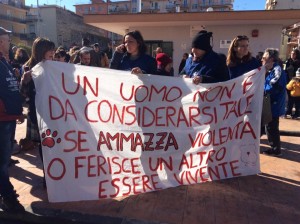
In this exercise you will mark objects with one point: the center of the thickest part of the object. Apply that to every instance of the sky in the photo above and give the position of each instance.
(238, 4)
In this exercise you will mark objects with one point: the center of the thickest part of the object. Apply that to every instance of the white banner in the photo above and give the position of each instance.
(108, 133)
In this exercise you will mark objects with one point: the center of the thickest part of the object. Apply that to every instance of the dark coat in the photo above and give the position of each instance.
(122, 61)
(242, 68)
(212, 68)
(9, 89)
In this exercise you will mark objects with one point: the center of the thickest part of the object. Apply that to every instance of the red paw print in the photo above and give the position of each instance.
(48, 139)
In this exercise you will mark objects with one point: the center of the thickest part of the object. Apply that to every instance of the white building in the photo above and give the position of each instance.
(264, 28)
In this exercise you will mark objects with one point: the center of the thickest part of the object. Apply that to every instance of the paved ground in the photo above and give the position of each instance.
(270, 197)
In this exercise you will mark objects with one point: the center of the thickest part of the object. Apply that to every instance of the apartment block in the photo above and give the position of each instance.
(13, 16)
(63, 27)
(282, 4)
(152, 6)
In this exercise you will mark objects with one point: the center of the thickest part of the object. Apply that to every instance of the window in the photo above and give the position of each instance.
(92, 9)
(99, 8)
(203, 2)
(194, 6)
(31, 28)
(133, 10)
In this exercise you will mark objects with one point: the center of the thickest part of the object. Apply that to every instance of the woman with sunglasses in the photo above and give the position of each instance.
(239, 59)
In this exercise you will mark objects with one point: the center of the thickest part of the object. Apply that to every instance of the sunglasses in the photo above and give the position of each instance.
(242, 37)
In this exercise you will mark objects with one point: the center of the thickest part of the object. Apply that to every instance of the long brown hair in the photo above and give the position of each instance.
(39, 48)
(232, 58)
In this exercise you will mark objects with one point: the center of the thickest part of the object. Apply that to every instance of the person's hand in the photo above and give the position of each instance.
(136, 71)
(21, 119)
(197, 80)
(121, 48)
(26, 77)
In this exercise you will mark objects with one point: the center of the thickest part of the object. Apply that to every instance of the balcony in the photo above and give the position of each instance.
(171, 8)
(26, 36)
(184, 7)
(31, 18)
(224, 4)
(150, 10)
(12, 19)
(118, 10)
(16, 5)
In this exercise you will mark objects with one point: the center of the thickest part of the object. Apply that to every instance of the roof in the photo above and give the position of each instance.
(118, 23)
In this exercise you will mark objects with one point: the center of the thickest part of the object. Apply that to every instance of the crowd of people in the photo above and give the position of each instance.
(202, 65)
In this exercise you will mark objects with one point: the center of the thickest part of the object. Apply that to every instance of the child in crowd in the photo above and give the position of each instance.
(294, 87)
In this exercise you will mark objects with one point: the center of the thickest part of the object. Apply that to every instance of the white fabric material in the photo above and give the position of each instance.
(108, 133)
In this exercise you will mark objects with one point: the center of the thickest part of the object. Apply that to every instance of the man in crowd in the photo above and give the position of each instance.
(10, 112)
(85, 57)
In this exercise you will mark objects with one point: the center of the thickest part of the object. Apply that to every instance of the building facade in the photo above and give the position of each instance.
(175, 31)
(282, 4)
(63, 27)
(13, 16)
(291, 34)
(152, 6)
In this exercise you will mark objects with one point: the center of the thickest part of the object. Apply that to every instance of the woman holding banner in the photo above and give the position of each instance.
(239, 59)
(131, 55)
(42, 49)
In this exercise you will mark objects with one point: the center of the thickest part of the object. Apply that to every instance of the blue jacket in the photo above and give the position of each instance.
(275, 85)
(9, 89)
(212, 67)
(242, 68)
(122, 61)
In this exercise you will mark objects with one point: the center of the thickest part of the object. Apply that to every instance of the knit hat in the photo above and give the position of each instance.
(298, 73)
(202, 40)
(4, 31)
(163, 59)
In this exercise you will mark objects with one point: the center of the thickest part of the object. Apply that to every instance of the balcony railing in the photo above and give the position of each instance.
(26, 36)
(16, 5)
(118, 10)
(170, 8)
(184, 7)
(11, 18)
(150, 10)
(31, 18)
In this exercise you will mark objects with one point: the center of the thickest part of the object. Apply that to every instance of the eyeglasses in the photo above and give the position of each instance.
(242, 37)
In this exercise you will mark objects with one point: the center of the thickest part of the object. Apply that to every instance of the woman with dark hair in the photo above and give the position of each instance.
(60, 55)
(131, 55)
(20, 58)
(239, 59)
(42, 49)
